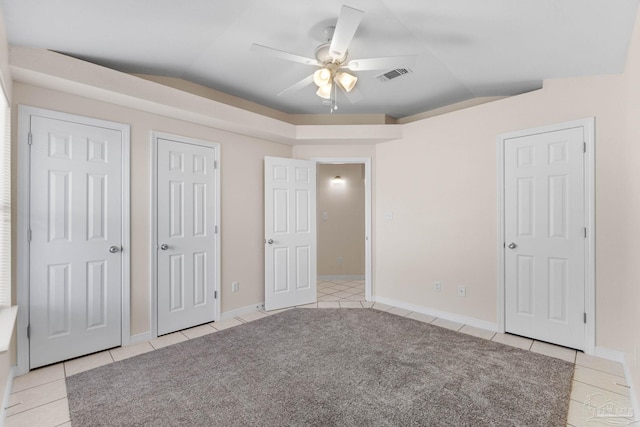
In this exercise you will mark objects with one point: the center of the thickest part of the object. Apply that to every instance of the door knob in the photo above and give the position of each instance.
(512, 245)
(164, 246)
(113, 249)
(270, 241)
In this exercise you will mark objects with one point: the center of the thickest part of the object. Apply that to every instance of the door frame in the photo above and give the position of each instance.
(588, 125)
(24, 194)
(153, 247)
(366, 161)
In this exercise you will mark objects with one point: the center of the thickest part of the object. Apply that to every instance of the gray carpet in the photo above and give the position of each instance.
(333, 367)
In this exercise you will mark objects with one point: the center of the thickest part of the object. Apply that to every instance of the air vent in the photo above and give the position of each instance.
(390, 75)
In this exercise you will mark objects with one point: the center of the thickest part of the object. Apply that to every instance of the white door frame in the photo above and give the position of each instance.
(23, 187)
(366, 161)
(154, 221)
(588, 124)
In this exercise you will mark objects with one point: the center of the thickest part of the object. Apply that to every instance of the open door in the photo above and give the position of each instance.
(290, 232)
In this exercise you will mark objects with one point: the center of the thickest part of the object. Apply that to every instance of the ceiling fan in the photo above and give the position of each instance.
(331, 58)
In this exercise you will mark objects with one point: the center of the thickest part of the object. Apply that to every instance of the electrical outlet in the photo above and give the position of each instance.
(235, 287)
(340, 260)
(437, 286)
(462, 291)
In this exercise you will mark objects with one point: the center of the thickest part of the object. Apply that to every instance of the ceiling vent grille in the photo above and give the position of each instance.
(390, 75)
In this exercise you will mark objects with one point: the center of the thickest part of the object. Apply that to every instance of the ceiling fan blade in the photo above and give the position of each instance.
(388, 62)
(354, 96)
(348, 22)
(283, 55)
(297, 86)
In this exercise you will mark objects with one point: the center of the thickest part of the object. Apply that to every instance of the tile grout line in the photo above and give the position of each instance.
(39, 406)
(38, 385)
(600, 370)
(600, 388)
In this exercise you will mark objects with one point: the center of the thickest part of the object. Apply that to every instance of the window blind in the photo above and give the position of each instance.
(5, 202)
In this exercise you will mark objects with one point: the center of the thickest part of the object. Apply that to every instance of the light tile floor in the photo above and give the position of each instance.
(340, 291)
(39, 398)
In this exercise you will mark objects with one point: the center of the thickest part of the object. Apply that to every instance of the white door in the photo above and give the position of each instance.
(76, 236)
(545, 236)
(186, 235)
(290, 232)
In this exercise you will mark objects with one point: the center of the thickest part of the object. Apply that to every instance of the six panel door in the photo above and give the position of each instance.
(545, 240)
(76, 228)
(187, 220)
(290, 227)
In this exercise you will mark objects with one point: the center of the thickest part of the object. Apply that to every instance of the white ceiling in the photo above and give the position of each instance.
(464, 48)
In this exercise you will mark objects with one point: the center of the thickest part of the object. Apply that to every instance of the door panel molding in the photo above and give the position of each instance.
(154, 137)
(588, 126)
(25, 113)
(290, 232)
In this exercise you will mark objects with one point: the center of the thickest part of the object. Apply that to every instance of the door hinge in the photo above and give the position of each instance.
(215, 294)
(28, 235)
(215, 164)
(585, 317)
(28, 331)
(585, 232)
(215, 229)
(30, 138)
(584, 147)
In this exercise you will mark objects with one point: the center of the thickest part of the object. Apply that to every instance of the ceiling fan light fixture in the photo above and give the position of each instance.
(324, 91)
(322, 77)
(347, 81)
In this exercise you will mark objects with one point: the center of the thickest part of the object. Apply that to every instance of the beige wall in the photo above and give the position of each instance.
(242, 224)
(629, 158)
(440, 182)
(342, 233)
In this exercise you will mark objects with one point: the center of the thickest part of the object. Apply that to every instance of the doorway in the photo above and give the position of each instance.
(341, 232)
(344, 239)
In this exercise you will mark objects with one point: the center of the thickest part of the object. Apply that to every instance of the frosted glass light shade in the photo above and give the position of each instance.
(322, 77)
(347, 81)
(324, 91)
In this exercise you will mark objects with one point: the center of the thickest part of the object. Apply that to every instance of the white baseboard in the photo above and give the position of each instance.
(138, 338)
(471, 321)
(344, 278)
(607, 353)
(633, 391)
(7, 394)
(240, 311)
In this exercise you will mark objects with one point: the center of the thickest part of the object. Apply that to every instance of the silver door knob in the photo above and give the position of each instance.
(270, 241)
(113, 249)
(164, 246)
(512, 245)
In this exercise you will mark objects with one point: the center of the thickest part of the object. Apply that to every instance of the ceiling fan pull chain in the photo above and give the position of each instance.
(334, 98)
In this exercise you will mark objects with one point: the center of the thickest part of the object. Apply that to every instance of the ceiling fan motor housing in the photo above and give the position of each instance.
(322, 52)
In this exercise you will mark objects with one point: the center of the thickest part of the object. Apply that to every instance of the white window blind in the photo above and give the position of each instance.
(5, 202)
